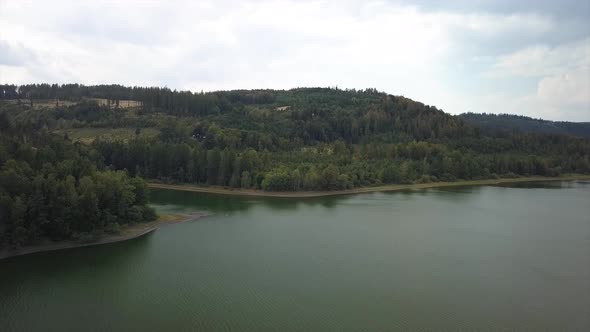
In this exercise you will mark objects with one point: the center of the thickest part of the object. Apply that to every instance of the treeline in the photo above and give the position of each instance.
(328, 166)
(312, 115)
(51, 188)
(176, 102)
(299, 139)
(163, 99)
(506, 124)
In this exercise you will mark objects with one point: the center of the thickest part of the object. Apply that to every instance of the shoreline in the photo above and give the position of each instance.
(143, 229)
(385, 188)
(127, 233)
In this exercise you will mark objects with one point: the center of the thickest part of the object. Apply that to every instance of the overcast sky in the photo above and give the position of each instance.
(529, 57)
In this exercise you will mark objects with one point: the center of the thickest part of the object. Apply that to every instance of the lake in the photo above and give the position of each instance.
(490, 258)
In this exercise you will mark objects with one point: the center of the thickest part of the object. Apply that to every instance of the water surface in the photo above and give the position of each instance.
(477, 258)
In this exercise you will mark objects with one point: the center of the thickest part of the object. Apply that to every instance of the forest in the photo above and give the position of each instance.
(52, 189)
(55, 183)
(508, 123)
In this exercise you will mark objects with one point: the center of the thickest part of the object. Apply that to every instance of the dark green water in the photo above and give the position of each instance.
(470, 259)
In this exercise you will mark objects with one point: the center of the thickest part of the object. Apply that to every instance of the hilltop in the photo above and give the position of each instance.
(286, 140)
(508, 123)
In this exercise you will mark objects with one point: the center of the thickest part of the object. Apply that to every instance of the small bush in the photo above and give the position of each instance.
(113, 228)
(86, 237)
(149, 213)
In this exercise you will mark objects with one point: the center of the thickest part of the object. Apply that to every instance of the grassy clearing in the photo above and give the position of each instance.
(52, 103)
(42, 103)
(87, 135)
(124, 103)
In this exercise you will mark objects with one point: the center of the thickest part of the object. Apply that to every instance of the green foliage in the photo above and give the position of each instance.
(112, 228)
(299, 139)
(505, 124)
(279, 179)
(50, 188)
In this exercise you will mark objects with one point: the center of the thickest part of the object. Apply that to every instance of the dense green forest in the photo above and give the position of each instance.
(285, 140)
(52, 189)
(65, 171)
(507, 123)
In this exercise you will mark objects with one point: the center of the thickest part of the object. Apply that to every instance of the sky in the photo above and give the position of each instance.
(528, 57)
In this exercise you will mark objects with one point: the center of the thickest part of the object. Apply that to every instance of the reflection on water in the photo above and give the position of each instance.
(166, 201)
(545, 185)
(57, 269)
(96, 256)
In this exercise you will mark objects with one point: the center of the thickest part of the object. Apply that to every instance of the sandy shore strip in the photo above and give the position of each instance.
(396, 187)
(127, 233)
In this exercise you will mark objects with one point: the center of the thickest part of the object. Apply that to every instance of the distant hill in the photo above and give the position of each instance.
(510, 123)
(72, 156)
(304, 139)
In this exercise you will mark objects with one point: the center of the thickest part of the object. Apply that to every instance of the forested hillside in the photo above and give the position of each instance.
(283, 140)
(507, 123)
(52, 189)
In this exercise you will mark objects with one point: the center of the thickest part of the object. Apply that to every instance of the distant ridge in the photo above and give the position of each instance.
(510, 123)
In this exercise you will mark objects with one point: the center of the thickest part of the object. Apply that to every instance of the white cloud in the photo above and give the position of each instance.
(562, 75)
(14, 54)
(542, 60)
(560, 97)
(571, 88)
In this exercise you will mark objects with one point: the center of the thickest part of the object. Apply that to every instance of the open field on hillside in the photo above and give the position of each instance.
(52, 103)
(41, 103)
(122, 103)
(87, 135)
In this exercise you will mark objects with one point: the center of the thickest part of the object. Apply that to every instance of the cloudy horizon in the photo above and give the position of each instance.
(521, 57)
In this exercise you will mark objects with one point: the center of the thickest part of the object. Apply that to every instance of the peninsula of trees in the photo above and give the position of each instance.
(71, 156)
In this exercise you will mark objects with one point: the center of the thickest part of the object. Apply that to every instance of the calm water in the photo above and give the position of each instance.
(472, 259)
